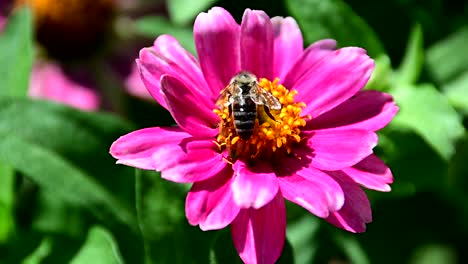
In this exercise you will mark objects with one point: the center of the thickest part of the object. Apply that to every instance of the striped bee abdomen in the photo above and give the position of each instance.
(245, 116)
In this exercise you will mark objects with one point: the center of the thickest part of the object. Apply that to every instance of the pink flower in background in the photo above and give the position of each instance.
(3, 21)
(135, 86)
(317, 152)
(48, 81)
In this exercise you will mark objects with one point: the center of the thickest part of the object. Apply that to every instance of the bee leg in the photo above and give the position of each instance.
(227, 160)
(229, 111)
(267, 111)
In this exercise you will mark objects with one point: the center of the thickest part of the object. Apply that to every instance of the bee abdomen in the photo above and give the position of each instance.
(244, 119)
(245, 128)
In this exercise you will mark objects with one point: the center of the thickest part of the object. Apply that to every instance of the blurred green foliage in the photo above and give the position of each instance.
(16, 56)
(63, 199)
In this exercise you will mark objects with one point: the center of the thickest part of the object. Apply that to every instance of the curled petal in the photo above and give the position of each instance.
(217, 35)
(192, 113)
(356, 211)
(150, 77)
(335, 149)
(315, 191)
(257, 40)
(259, 234)
(210, 203)
(167, 56)
(175, 153)
(368, 110)
(371, 173)
(288, 45)
(253, 186)
(333, 80)
(309, 58)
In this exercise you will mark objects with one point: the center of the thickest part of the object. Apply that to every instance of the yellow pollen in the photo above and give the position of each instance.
(270, 136)
(234, 140)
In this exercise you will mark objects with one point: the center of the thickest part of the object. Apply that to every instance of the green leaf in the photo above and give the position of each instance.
(183, 12)
(18, 247)
(54, 249)
(161, 217)
(16, 54)
(56, 216)
(100, 245)
(418, 165)
(457, 91)
(320, 19)
(411, 66)
(97, 245)
(153, 26)
(351, 247)
(65, 151)
(7, 181)
(448, 58)
(7, 184)
(428, 113)
(57, 175)
(301, 234)
(41, 252)
(434, 254)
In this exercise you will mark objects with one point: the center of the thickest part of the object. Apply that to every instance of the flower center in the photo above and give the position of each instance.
(275, 131)
(78, 25)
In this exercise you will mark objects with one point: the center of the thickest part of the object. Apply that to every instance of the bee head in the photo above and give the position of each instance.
(244, 78)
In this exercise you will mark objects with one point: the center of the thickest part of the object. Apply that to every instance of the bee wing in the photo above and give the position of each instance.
(263, 97)
(223, 98)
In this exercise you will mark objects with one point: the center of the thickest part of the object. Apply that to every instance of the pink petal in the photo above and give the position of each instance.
(150, 76)
(253, 186)
(167, 56)
(313, 190)
(135, 85)
(333, 80)
(335, 149)
(259, 234)
(175, 153)
(137, 148)
(356, 211)
(288, 45)
(192, 113)
(210, 203)
(311, 56)
(82, 98)
(216, 35)
(48, 81)
(368, 110)
(257, 40)
(371, 173)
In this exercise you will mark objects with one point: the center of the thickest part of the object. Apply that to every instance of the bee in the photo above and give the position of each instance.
(243, 95)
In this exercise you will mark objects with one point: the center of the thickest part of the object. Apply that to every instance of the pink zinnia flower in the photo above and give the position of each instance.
(317, 152)
(49, 82)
